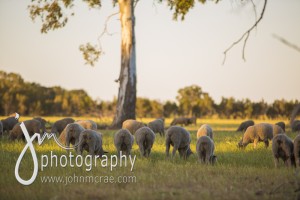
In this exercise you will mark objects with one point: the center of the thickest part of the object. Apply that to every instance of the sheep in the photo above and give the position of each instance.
(205, 129)
(60, 125)
(1, 128)
(180, 139)
(277, 130)
(91, 141)
(283, 147)
(256, 133)
(297, 150)
(295, 126)
(244, 125)
(157, 126)
(43, 123)
(145, 138)
(183, 121)
(9, 123)
(205, 148)
(281, 124)
(72, 133)
(123, 141)
(32, 126)
(87, 124)
(132, 125)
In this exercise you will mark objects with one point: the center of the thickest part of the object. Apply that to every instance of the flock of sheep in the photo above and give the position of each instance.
(83, 135)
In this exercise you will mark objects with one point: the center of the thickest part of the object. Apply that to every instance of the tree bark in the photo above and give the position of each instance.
(127, 79)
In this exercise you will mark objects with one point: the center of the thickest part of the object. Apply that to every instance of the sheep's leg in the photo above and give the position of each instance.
(207, 156)
(175, 148)
(255, 143)
(288, 162)
(168, 142)
(276, 161)
(91, 150)
(142, 150)
(266, 143)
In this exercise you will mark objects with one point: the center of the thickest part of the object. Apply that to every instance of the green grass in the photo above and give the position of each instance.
(238, 174)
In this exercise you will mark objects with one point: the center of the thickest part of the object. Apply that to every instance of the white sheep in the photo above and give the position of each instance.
(180, 139)
(123, 141)
(283, 147)
(205, 129)
(91, 141)
(157, 126)
(145, 138)
(205, 148)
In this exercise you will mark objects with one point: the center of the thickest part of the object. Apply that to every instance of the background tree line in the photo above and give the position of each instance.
(27, 98)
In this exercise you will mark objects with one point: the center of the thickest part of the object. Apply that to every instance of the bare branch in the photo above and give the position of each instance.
(284, 41)
(246, 34)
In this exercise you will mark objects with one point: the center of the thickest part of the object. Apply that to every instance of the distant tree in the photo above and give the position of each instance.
(170, 109)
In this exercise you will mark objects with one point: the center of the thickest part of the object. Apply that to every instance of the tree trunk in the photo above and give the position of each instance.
(127, 79)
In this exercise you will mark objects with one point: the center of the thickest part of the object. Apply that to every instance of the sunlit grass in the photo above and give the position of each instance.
(238, 174)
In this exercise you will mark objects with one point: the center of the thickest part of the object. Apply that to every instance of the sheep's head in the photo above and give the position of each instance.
(213, 159)
(240, 145)
(189, 152)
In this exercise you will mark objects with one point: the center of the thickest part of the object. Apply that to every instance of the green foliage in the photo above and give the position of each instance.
(90, 53)
(52, 13)
(27, 98)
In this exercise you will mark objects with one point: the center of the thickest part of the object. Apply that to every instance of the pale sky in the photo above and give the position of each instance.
(170, 54)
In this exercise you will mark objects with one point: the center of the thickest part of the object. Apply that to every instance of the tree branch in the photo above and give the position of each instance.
(284, 41)
(246, 34)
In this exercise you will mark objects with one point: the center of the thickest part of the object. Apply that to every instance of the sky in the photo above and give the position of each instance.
(170, 54)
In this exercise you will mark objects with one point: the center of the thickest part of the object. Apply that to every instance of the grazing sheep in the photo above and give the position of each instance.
(60, 125)
(295, 125)
(157, 126)
(257, 133)
(297, 150)
(132, 125)
(43, 123)
(72, 133)
(205, 129)
(244, 125)
(180, 139)
(205, 148)
(91, 141)
(277, 130)
(9, 123)
(87, 124)
(1, 128)
(32, 126)
(145, 138)
(281, 124)
(283, 147)
(123, 141)
(183, 121)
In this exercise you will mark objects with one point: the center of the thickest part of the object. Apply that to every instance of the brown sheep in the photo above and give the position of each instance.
(32, 126)
(132, 125)
(205, 129)
(87, 124)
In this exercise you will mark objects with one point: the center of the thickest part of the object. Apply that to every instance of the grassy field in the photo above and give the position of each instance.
(238, 174)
